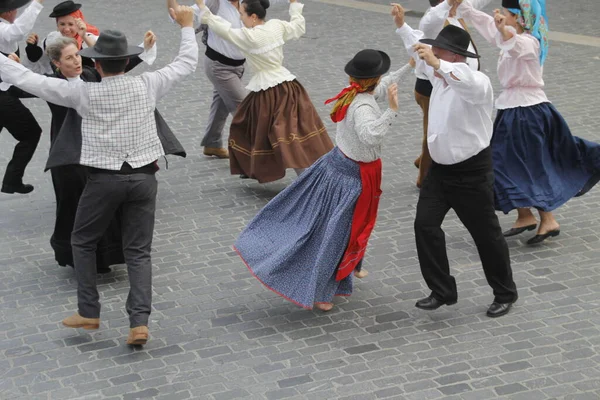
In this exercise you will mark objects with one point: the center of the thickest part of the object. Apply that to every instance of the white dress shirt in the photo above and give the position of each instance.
(118, 123)
(360, 134)
(230, 13)
(262, 45)
(12, 34)
(460, 109)
(435, 19)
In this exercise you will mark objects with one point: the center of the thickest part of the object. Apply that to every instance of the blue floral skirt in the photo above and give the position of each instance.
(295, 243)
(538, 162)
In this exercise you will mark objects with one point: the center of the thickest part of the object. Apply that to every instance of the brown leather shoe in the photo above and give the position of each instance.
(213, 151)
(138, 335)
(77, 321)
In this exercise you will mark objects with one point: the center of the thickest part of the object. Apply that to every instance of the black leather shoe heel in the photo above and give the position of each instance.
(498, 309)
(540, 238)
(431, 303)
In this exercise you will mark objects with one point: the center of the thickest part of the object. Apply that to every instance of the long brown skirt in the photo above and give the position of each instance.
(275, 129)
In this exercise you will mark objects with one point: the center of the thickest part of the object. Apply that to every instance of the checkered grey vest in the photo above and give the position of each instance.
(120, 125)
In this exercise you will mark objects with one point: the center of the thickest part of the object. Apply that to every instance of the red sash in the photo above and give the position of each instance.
(363, 220)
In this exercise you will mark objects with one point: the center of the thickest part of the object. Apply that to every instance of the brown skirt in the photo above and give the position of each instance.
(275, 129)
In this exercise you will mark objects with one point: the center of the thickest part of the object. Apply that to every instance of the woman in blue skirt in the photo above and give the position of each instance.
(537, 161)
(305, 243)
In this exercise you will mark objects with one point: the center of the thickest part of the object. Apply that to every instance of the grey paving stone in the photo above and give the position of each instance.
(216, 331)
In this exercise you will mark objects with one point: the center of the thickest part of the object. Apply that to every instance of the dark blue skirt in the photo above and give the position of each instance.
(538, 162)
(296, 242)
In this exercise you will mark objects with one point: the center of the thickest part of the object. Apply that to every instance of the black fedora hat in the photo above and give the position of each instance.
(9, 5)
(111, 45)
(64, 8)
(454, 39)
(368, 64)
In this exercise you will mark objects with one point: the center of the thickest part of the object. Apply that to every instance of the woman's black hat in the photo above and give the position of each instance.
(111, 45)
(368, 64)
(9, 5)
(64, 8)
(454, 39)
(511, 4)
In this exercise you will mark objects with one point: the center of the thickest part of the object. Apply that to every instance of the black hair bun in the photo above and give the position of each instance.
(265, 4)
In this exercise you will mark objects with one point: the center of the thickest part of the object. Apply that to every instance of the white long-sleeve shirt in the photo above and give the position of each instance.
(262, 45)
(460, 107)
(519, 69)
(360, 134)
(230, 13)
(436, 18)
(118, 123)
(12, 34)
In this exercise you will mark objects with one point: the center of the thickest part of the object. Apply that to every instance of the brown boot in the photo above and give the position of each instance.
(213, 151)
(138, 335)
(77, 321)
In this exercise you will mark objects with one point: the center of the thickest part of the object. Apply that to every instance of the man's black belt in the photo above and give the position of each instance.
(216, 56)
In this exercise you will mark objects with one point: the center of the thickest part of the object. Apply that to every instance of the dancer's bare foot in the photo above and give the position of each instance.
(525, 218)
(324, 306)
(548, 223)
(361, 274)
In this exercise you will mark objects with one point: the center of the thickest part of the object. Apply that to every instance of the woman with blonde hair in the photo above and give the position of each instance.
(306, 243)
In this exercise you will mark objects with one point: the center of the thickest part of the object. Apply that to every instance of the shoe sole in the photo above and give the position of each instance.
(499, 314)
(138, 341)
(89, 327)
(450, 303)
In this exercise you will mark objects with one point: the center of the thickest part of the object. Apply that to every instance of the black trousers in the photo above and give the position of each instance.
(21, 124)
(134, 195)
(69, 182)
(467, 188)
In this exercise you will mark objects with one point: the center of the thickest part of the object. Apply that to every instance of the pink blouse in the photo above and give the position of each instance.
(519, 69)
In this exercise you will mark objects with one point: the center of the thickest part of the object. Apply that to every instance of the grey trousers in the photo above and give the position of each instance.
(133, 198)
(228, 93)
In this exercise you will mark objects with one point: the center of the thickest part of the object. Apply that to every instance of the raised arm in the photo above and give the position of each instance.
(161, 81)
(18, 30)
(58, 91)
(484, 23)
(410, 37)
(472, 86)
(517, 46)
(393, 77)
(433, 21)
(296, 27)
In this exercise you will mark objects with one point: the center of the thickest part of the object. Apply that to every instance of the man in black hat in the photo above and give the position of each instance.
(120, 144)
(14, 116)
(461, 177)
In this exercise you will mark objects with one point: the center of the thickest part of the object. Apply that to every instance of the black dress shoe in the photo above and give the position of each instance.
(498, 309)
(103, 270)
(431, 303)
(518, 231)
(21, 188)
(540, 238)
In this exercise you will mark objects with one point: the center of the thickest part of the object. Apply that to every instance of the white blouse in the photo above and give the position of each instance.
(262, 45)
(360, 134)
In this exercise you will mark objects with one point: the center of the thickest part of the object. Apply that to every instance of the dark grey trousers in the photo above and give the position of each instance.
(133, 197)
(228, 93)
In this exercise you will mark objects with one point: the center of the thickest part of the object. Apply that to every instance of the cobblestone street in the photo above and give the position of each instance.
(218, 334)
